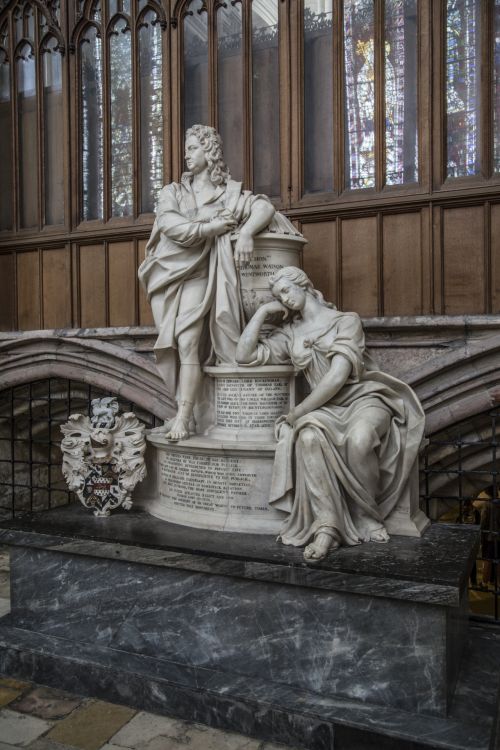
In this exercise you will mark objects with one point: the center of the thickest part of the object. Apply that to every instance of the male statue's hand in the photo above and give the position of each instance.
(219, 225)
(243, 250)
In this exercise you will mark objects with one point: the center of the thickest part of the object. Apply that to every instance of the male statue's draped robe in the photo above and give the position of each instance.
(176, 253)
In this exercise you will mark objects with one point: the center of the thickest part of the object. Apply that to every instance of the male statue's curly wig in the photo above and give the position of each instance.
(211, 143)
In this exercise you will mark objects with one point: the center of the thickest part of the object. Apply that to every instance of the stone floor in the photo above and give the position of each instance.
(41, 718)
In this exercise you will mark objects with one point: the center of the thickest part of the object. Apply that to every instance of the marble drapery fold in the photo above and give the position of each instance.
(315, 480)
(177, 253)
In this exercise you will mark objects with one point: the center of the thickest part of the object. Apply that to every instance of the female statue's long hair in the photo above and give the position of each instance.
(296, 276)
(211, 143)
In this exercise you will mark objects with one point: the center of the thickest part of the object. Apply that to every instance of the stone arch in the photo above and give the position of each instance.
(112, 368)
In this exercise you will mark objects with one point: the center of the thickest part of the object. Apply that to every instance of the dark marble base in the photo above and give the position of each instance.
(236, 631)
(259, 708)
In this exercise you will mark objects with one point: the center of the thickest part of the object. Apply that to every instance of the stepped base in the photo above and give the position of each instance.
(360, 651)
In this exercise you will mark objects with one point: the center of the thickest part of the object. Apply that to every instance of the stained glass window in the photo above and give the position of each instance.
(53, 132)
(496, 87)
(150, 106)
(91, 125)
(6, 130)
(29, 16)
(265, 97)
(318, 96)
(120, 72)
(195, 65)
(18, 24)
(401, 91)
(359, 67)
(463, 86)
(27, 126)
(230, 85)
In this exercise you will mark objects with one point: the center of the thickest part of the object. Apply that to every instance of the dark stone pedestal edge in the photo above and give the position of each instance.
(256, 708)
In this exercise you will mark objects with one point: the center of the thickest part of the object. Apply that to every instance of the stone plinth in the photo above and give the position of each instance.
(221, 480)
(361, 650)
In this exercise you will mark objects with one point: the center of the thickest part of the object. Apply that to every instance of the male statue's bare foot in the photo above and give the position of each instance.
(319, 548)
(179, 429)
(379, 535)
(162, 429)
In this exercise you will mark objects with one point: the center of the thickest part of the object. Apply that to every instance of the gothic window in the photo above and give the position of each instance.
(195, 53)
(359, 82)
(401, 85)
(364, 53)
(265, 97)
(6, 130)
(150, 108)
(496, 87)
(463, 68)
(27, 128)
(120, 76)
(121, 107)
(53, 119)
(91, 124)
(31, 90)
(230, 100)
(318, 96)
(237, 89)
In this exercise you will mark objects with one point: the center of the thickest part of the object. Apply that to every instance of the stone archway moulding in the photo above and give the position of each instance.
(116, 369)
(459, 384)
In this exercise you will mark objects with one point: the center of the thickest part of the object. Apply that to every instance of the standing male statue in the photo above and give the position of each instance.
(190, 270)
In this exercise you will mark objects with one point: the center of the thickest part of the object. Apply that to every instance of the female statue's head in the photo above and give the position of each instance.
(290, 285)
(211, 143)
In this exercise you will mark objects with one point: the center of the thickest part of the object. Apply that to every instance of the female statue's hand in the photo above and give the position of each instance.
(273, 307)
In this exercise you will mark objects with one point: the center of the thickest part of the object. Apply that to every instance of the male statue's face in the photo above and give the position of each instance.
(196, 160)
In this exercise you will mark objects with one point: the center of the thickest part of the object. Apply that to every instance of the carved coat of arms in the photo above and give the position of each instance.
(103, 456)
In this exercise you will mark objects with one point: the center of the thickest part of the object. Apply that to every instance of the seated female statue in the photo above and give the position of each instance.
(354, 439)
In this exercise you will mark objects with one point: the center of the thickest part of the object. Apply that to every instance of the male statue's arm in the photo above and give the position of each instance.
(260, 216)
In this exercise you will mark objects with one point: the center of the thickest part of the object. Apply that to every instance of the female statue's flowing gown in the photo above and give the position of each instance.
(316, 480)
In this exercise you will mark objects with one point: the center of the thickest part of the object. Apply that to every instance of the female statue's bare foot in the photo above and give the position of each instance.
(379, 535)
(319, 549)
(178, 429)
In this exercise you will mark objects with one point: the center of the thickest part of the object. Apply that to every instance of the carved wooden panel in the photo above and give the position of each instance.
(495, 258)
(7, 292)
(360, 284)
(56, 284)
(92, 291)
(145, 316)
(28, 291)
(463, 251)
(402, 264)
(122, 284)
(320, 257)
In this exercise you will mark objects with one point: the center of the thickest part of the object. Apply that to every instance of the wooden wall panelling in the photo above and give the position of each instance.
(56, 285)
(92, 274)
(122, 284)
(427, 276)
(402, 264)
(495, 257)
(7, 292)
(437, 307)
(145, 316)
(320, 257)
(360, 282)
(463, 260)
(28, 291)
